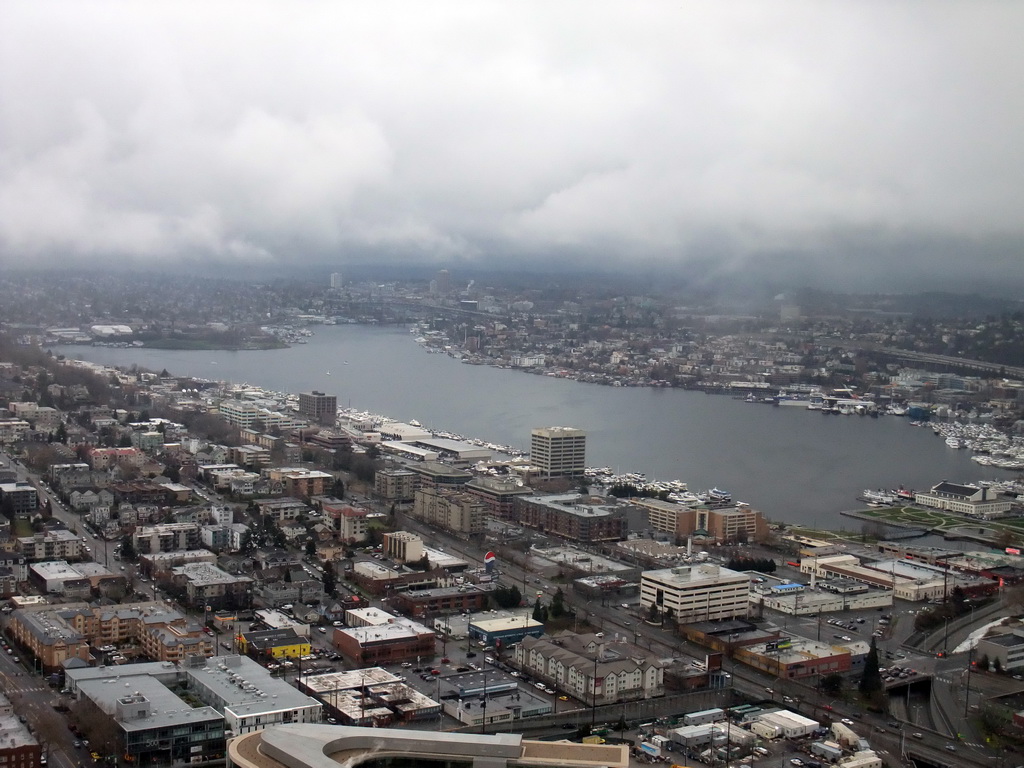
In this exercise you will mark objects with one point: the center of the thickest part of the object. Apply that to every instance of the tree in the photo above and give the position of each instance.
(871, 679)
(311, 547)
(338, 488)
(622, 726)
(652, 614)
(983, 663)
(557, 604)
(540, 613)
(330, 580)
(832, 684)
(127, 548)
(997, 665)
(508, 597)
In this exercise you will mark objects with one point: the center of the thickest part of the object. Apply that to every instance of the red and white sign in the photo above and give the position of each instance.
(489, 558)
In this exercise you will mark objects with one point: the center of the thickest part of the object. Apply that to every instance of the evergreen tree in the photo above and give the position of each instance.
(330, 585)
(557, 604)
(540, 613)
(871, 679)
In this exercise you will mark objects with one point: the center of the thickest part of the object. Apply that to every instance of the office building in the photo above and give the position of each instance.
(165, 714)
(443, 282)
(737, 524)
(558, 451)
(398, 640)
(1005, 650)
(696, 593)
(318, 407)
(337, 280)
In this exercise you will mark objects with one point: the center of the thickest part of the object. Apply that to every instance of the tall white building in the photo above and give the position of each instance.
(559, 451)
(336, 281)
(696, 593)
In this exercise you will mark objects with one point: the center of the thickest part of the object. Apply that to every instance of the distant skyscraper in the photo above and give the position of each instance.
(559, 451)
(444, 282)
(336, 281)
(318, 407)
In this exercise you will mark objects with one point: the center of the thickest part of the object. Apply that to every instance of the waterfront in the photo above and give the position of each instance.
(796, 465)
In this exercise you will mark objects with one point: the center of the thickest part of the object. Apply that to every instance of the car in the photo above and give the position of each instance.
(893, 724)
(563, 698)
(918, 735)
(76, 744)
(624, 605)
(96, 756)
(768, 690)
(16, 660)
(489, 659)
(568, 726)
(406, 665)
(846, 638)
(539, 686)
(950, 748)
(846, 721)
(796, 761)
(827, 707)
(446, 660)
(471, 655)
(762, 751)
(322, 630)
(462, 669)
(435, 671)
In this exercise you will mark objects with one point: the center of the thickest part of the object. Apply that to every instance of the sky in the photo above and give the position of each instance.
(845, 141)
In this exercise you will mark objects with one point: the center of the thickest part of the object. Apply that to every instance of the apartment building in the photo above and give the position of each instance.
(403, 546)
(59, 544)
(572, 516)
(590, 669)
(21, 498)
(696, 593)
(299, 482)
(54, 634)
(348, 522)
(166, 537)
(206, 585)
(395, 484)
(497, 494)
(105, 458)
(451, 510)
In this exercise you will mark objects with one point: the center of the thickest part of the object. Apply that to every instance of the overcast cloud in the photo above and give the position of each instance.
(847, 135)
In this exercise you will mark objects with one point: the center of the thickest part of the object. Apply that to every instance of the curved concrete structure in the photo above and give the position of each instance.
(325, 746)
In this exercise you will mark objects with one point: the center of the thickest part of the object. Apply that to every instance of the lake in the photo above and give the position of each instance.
(796, 465)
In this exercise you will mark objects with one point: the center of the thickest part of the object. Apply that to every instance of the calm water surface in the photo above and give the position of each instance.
(796, 465)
